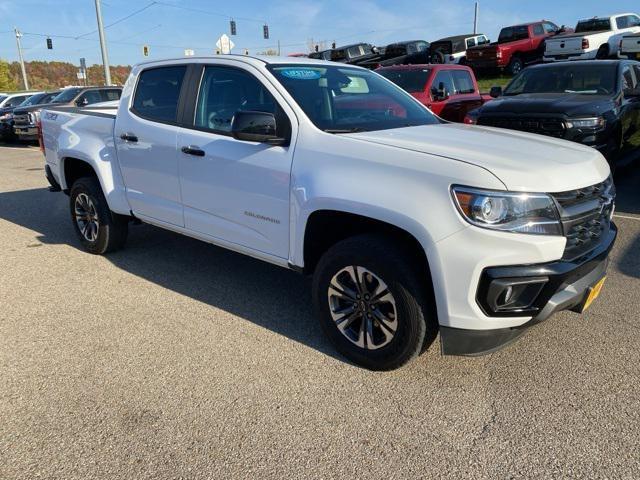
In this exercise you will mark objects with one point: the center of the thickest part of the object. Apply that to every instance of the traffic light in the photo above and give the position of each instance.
(145, 50)
(49, 44)
(265, 32)
(233, 27)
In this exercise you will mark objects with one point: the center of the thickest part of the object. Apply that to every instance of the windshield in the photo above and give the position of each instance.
(511, 34)
(593, 25)
(342, 99)
(594, 79)
(32, 100)
(410, 80)
(66, 95)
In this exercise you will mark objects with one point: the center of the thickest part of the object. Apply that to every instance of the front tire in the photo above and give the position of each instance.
(371, 302)
(99, 229)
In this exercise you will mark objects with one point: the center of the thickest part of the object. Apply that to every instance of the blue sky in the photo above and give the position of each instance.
(170, 26)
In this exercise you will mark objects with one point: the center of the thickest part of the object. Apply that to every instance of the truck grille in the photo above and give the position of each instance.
(21, 119)
(552, 127)
(586, 216)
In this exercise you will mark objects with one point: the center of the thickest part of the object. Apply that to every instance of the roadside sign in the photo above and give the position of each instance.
(189, 52)
(224, 44)
(145, 50)
(81, 75)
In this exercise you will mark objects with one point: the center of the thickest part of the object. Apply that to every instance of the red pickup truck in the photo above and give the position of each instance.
(516, 47)
(449, 90)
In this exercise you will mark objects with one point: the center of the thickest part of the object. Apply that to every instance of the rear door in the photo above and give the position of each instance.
(630, 109)
(232, 190)
(145, 136)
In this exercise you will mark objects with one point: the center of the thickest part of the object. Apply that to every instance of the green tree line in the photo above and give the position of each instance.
(52, 75)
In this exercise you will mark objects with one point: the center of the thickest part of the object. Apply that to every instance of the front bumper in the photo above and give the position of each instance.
(567, 286)
(26, 132)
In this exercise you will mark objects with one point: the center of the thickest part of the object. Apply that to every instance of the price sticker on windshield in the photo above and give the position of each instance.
(301, 73)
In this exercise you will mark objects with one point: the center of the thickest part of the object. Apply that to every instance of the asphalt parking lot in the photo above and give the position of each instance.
(177, 359)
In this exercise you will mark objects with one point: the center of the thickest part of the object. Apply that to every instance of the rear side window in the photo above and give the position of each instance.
(462, 82)
(110, 95)
(471, 42)
(512, 34)
(157, 93)
(410, 80)
(15, 101)
(593, 25)
(89, 98)
(622, 22)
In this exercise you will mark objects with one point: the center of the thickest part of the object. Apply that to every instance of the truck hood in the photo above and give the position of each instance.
(34, 108)
(523, 162)
(570, 104)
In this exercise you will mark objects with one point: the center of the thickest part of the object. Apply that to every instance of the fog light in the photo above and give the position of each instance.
(514, 294)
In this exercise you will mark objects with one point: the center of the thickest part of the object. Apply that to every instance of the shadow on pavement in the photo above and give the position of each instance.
(269, 296)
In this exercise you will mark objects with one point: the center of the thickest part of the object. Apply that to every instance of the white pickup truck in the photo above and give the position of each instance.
(594, 38)
(409, 225)
(630, 47)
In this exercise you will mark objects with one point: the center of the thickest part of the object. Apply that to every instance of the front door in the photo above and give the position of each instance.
(145, 137)
(232, 190)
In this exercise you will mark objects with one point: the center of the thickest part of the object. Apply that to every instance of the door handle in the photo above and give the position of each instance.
(129, 137)
(191, 150)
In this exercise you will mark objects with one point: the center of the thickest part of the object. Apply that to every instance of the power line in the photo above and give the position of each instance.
(120, 20)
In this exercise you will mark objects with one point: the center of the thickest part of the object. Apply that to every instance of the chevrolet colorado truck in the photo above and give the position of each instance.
(595, 102)
(517, 46)
(408, 224)
(594, 38)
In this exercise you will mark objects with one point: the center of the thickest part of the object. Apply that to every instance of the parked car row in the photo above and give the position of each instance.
(19, 113)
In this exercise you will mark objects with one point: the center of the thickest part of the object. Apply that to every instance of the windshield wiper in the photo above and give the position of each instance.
(344, 130)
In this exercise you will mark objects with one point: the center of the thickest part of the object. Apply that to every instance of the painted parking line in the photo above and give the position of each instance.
(627, 217)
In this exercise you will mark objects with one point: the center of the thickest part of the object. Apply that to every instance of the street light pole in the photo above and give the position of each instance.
(103, 45)
(24, 70)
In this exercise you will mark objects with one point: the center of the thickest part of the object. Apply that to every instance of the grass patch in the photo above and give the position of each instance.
(485, 84)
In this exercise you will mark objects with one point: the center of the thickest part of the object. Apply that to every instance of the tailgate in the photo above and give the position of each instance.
(482, 53)
(630, 44)
(564, 46)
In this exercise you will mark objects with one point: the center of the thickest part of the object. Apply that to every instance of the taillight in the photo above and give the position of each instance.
(469, 120)
(498, 54)
(40, 136)
(585, 43)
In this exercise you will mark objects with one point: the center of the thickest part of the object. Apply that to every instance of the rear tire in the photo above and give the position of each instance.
(99, 229)
(603, 52)
(378, 330)
(515, 66)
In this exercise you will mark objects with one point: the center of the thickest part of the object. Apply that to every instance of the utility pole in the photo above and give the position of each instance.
(103, 45)
(475, 19)
(278, 47)
(24, 70)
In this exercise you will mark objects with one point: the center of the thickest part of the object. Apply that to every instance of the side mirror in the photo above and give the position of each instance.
(495, 92)
(440, 94)
(250, 126)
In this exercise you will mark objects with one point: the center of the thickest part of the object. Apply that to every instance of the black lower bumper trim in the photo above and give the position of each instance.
(457, 341)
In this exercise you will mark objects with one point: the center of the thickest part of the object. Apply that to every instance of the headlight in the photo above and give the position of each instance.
(515, 212)
(594, 122)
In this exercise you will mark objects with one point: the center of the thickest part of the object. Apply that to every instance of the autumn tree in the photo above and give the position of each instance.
(6, 80)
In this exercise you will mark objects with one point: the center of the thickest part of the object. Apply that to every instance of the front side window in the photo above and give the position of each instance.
(445, 79)
(158, 92)
(90, 97)
(15, 101)
(483, 40)
(538, 30)
(594, 79)
(634, 21)
(225, 91)
(343, 99)
(622, 22)
(462, 81)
